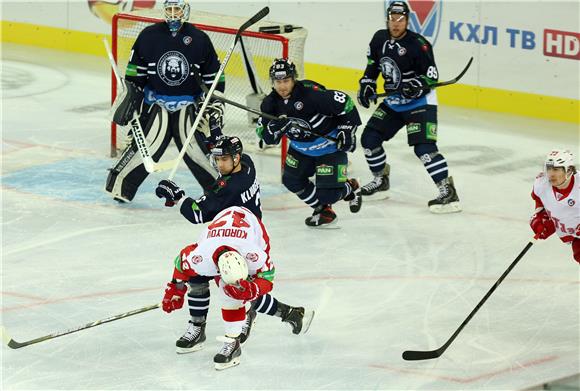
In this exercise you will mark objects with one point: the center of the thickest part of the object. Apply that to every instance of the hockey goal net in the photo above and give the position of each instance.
(261, 49)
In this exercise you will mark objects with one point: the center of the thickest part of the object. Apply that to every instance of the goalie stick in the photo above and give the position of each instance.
(413, 355)
(17, 345)
(438, 84)
(257, 17)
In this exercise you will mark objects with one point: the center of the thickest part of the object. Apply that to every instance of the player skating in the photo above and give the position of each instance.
(405, 60)
(161, 89)
(312, 117)
(557, 195)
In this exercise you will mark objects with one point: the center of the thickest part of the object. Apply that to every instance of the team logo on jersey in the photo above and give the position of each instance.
(173, 68)
(299, 105)
(391, 73)
(402, 51)
(187, 40)
(571, 202)
(252, 257)
(424, 18)
(196, 259)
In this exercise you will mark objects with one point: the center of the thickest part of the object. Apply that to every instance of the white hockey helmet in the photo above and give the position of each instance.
(176, 12)
(559, 158)
(232, 267)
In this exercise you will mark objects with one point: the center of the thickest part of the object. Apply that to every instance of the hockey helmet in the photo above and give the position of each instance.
(560, 158)
(226, 145)
(398, 7)
(232, 267)
(176, 12)
(282, 68)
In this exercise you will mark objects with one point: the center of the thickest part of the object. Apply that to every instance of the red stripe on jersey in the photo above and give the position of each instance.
(563, 193)
(539, 203)
(237, 315)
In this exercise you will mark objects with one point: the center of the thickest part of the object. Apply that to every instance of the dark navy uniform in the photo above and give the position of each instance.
(162, 65)
(237, 189)
(309, 154)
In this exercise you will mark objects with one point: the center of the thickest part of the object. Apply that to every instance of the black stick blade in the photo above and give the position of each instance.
(414, 355)
(260, 15)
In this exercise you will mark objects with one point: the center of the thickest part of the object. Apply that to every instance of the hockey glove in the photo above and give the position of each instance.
(173, 298)
(243, 290)
(346, 138)
(367, 91)
(542, 225)
(127, 103)
(212, 120)
(170, 191)
(414, 88)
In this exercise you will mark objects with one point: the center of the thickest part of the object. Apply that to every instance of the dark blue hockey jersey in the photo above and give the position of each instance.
(400, 60)
(323, 109)
(163, 64)
(238, 189)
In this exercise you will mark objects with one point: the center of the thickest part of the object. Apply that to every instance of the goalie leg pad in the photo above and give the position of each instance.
(196, 153)
(128, 173)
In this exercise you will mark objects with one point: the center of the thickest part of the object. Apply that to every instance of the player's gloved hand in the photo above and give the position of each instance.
(243, 290)
(367, 91)
(346, 138)
(212, 120)
(170, 191)
(542, 225)
(173, 298)
(278, 126)
(413, 88)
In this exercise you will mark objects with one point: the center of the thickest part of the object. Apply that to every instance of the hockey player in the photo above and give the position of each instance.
(311, 116)
(236, 185)
(235, 250)
(556, 192)
(161, 88)
(405, 60)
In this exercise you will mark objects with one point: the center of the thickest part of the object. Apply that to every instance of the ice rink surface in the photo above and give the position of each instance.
(393, 277)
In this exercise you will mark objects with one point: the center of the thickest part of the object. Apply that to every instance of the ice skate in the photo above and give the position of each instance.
(322, 217)
(193, 338)
(447, 201)
(355, 197)
(298, 318)
(247, 327)
(229, 354)
(377, 188)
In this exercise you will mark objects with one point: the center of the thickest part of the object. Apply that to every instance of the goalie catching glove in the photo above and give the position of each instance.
(127, 103)
(212, 120)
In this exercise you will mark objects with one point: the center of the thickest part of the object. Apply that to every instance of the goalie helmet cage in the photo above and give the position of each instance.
(262, 47)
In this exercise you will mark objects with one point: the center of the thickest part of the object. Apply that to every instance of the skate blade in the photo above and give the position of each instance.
(333, 225)
(226, 365)
(307, 321)
(378, 196)
(452, 207)
(197, 347)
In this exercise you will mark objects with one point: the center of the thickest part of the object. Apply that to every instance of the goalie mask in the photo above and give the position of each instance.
(176, 12)
(282, 68)
(232, 267)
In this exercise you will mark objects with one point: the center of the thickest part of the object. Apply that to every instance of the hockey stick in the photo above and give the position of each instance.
(17, 345)
(412, 355)
(250, 68)
(138, 134)
(270, 117)
(175, 163)
(439, 84)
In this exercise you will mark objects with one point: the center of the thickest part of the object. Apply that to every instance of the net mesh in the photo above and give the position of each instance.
(262, 49)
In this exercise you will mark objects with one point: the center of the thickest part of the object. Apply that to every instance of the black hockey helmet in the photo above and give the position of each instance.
(398, 7)
(226, 145)
(282, 68)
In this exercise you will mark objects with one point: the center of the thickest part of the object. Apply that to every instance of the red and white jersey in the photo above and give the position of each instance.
(236, 228)
(563, 209)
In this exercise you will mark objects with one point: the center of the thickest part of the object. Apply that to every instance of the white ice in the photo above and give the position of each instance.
(394, 277)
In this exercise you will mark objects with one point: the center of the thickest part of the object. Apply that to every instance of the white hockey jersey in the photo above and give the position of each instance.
(564, 211)
(237, 228)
